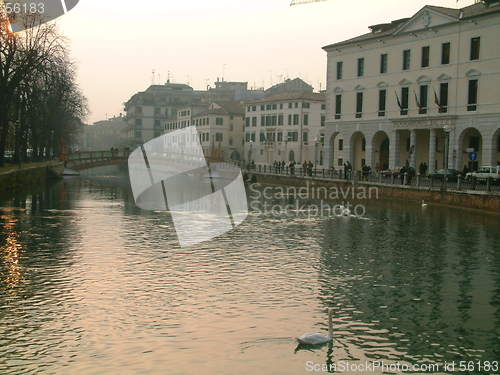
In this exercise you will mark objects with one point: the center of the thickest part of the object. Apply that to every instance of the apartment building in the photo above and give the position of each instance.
(286, 127)
(220, 127)
(147, 111)
(423, 89)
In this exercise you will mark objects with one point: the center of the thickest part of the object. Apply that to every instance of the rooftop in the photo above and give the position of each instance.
(294, 95)
(456, 14)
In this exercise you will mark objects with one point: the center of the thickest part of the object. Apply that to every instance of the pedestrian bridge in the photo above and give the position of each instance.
(82, 160)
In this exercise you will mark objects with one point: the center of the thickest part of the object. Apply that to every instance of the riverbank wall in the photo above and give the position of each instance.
(26, 176)
(470, 199)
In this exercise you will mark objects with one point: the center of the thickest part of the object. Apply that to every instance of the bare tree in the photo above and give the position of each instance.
(41, 106)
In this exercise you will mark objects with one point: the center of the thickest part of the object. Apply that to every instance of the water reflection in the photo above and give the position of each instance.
(10, 251)
(103, 287)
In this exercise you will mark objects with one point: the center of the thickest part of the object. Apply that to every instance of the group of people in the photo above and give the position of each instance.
(423, 168)
(347, 170)
(407, 171)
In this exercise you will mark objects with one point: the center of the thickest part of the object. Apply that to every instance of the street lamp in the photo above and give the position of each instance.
(447, 130)
(315, 152)
(250, 152)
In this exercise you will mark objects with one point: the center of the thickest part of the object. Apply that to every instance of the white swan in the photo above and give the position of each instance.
(319, 338)
(424, 204)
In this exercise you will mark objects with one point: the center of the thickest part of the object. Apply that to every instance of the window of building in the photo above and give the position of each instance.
(289, 119)
(359, 104)
(290, 105)
(219, 121)
(338, 106)
(306, 119)
(295, 119)
(253, 137)
(383, 63)
(293, 136)
(306, 105)
(323, 121)
(280, 137)
(404, 100)
(296, 104)
(281, 105)
(268, 120)
(247, 122)
(340, 68)
(262, 120)
(443, 97)
(254, 108)
(275, 106)
(363, 145)
(475, 46)
(323, 107)
(341, 144)
(262, 107)
(472, 96)
(138, 123)
(280, 119)
(426, 51)
(445, 53)
(273, 120)
(262, 137)
(361, 66)
(406, 59)
(340, 162)
(254, 121)
(382, 99)
(268, 107)
(424, 94)
(305, 137)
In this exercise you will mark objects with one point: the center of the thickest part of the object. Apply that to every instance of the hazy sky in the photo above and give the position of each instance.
(117, 43)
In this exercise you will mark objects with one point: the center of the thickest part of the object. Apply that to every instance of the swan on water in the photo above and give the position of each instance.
(424, 204)
(319, 338)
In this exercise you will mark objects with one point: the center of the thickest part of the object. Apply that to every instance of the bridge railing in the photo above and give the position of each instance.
(96, 155)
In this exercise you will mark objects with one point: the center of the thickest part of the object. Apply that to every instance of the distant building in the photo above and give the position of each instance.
(147, 111)
(286, 127)
(103, 135)
(404, 91)
(288, 86)
(230, 91)
(220, 126)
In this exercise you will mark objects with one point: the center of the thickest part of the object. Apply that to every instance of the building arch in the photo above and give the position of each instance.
(358, 150)
(470, 138)
(380, 149)
(291, 156)
(235, 156)
(495, 147)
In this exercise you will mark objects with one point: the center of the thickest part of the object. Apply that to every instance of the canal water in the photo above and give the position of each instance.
(90, 284)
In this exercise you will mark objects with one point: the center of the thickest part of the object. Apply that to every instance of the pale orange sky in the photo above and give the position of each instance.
(117, 44)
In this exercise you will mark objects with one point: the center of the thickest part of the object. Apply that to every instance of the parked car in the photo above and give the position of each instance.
(485, 172)
(9, 156)
(440, 174)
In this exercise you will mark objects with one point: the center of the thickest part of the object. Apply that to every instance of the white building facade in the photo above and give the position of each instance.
(286, 127)
(220, 128)
(425, 89)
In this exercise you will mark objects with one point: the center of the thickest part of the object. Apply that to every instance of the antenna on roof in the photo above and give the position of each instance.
(153, 77)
